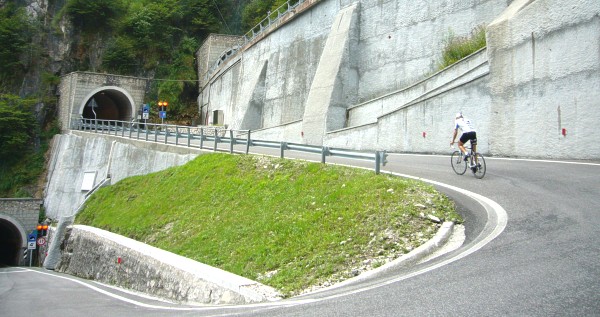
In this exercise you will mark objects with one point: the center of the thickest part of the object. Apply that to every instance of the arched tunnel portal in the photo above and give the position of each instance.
(11, 243)
(108, 103)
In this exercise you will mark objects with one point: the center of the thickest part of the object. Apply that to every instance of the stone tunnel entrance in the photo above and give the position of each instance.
(10, 244)
(108, 104)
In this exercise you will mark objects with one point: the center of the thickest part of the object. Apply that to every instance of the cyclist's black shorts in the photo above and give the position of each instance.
(469, 136)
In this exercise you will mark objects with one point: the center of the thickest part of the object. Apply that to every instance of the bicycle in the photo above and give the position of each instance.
(475, 160)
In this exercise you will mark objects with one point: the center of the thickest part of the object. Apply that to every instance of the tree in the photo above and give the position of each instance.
(17, 127)
(93, 16)
(14, 36)
(120, 57)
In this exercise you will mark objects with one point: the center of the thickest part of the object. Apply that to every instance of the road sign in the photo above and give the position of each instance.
(145, 116)
(146, 108)
(31, 245)
(162, 114)
(32, 237)
(41, 241)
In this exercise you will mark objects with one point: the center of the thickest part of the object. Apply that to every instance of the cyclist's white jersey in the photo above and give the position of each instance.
(464, 124)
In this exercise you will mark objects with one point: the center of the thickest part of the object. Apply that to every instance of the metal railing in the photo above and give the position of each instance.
(272, 18)
(208, 138)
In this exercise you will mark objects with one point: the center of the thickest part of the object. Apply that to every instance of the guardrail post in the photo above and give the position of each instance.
(176, 135)
(156, 133)
(130, 128)
(231, 141)
(201, 138)
(324, 153)
(248, 143)
(282, 148)
(189, 136)
(216, 140)
(377, 162)
(146, 127)
(380, 160)
(166, 134)
(137, 125)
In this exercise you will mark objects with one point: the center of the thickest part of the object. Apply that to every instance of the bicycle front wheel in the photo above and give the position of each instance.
(479, 169)
(458, 164)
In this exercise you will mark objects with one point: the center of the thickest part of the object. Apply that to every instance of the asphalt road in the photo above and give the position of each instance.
(543, 261)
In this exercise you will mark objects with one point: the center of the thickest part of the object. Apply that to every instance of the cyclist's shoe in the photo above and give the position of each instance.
(466, 157)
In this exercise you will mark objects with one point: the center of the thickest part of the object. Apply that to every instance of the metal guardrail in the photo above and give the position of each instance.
(208, 138)
(272, 17)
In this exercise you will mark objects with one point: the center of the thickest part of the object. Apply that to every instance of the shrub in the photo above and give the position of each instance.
(458, 48)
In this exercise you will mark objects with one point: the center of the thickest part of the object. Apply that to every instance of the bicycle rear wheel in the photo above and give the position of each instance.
(458, 164)
(479, 169)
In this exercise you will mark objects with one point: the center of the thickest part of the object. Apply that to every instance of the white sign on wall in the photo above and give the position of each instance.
(89, 178)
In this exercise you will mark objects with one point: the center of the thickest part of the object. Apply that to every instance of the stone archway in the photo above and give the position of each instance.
(108, 103)
(13, 240)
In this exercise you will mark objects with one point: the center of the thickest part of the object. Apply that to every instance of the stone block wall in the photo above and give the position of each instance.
(76, 88)
(212, 49)
(25, 210)
(102, 256)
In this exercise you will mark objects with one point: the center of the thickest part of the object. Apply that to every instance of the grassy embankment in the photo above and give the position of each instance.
(289, 224)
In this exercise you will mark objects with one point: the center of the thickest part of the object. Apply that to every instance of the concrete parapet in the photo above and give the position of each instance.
(106, 257)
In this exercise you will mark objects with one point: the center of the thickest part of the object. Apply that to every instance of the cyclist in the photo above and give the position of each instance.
(468, 134)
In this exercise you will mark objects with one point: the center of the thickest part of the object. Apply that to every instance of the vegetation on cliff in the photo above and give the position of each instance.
(457, 48)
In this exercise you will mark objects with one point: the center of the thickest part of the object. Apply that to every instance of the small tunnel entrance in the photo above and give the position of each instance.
(10, 244)
(108, 104)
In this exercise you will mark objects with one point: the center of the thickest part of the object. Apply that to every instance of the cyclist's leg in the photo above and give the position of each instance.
(474, 146)
(461, 144)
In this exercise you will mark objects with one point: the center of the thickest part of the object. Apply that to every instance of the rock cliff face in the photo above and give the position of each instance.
(54, 39)
(61, 49)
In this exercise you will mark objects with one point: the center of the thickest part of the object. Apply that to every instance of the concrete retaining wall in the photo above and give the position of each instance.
(392, 44)
(102, 256)
(535, 91)
(110, 157)
(545, 77)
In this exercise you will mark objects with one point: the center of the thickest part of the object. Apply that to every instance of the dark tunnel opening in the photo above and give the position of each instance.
(108, 105)
(10, 244)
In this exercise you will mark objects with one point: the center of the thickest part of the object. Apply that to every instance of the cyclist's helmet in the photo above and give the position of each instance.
(458, 115)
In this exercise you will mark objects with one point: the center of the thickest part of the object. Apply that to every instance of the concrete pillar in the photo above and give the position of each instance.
(335, 83)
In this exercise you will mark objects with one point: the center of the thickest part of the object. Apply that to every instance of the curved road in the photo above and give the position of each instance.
(544, 262)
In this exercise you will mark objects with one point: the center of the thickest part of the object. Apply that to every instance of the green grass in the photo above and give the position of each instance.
(289, 224)
(458, 48)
